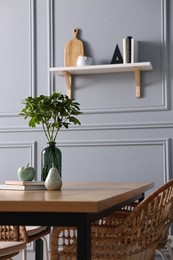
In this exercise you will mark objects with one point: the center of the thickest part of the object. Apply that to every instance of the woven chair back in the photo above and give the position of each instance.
(9, 233)
(132, 236)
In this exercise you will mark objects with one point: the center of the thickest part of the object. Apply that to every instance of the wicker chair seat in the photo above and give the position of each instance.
(10, 249)
(25, 234)
(30, 233)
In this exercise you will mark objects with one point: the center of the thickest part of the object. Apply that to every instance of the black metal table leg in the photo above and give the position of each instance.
(84, 240)
(38, 249)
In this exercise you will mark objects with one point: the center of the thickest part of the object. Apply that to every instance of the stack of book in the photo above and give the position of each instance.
(130, 50)
(23, 185)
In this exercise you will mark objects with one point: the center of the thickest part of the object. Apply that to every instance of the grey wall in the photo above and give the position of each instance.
(121, 138)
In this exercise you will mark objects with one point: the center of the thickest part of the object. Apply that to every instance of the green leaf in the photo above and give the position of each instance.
(53, 112)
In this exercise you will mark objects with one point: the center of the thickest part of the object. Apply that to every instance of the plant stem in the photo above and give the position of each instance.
(47, 136)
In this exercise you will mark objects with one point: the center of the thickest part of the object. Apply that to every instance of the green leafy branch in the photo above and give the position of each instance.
(52, 112)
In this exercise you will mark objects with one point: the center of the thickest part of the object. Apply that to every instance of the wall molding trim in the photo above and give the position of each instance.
(31, 72)
(164, 39)
(28, 145)
(32, 46)
(164, 142)
(102, 110)
(93, 127)
(50, 45)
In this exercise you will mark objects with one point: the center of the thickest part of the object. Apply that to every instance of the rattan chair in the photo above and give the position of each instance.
(9, 242)
(29, 234)
(25, 234)
(125, 234)
(10, 249)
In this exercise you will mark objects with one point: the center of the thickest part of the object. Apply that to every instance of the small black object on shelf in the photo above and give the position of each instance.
(117, 57)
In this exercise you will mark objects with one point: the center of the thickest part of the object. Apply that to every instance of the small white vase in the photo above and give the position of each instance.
(84, 61)
(53, 180)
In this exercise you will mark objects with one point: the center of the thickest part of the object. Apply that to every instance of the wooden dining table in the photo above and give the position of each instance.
(76, 204)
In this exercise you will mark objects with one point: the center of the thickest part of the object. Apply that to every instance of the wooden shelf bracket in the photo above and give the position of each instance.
(138, 83)
(68, 79)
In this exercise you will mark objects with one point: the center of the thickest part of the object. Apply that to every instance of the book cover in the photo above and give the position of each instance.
(21, 187)
(129, 39)
(125, 58)
(127, 49)
(130, 50)
(25, 183)
(134, 50)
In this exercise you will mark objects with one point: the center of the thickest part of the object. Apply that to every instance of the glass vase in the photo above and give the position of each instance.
(49, 155)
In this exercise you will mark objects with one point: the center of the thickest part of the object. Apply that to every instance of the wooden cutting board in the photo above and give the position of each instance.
(73, 49)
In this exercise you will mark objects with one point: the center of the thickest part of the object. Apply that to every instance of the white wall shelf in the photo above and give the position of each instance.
(67, 72)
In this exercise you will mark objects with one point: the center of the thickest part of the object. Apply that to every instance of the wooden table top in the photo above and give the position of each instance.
(73, 197)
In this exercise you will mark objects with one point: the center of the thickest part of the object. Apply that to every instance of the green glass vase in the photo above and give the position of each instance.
(49, 155)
